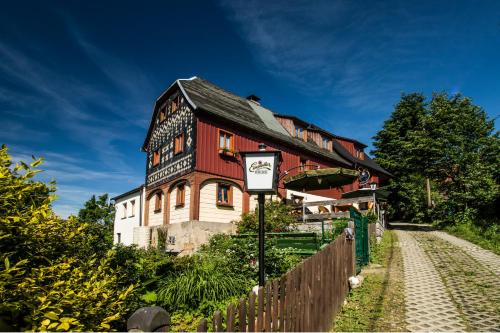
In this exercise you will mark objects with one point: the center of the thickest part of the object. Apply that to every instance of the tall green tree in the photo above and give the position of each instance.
(99, 214)
(459, 151)
(452, 142)
(394, 152)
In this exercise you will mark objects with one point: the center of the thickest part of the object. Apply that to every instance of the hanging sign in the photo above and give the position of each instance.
(261, 171)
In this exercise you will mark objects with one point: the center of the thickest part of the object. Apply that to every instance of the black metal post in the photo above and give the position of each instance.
(262, 273)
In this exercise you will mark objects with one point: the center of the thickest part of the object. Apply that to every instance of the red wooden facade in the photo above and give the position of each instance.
(209, 160)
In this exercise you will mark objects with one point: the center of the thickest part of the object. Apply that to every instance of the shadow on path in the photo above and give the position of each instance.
(410, 226)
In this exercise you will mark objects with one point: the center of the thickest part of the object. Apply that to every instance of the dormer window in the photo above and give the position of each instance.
(299, 132)
(325, 143)
(359, 154)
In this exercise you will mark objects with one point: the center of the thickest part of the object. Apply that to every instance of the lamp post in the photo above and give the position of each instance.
(373, 187)
(261, 178)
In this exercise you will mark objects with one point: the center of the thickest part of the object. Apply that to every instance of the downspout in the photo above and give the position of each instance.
(140, 208)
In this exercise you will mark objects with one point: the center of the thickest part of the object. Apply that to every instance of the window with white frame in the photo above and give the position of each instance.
(132, 208)
(124, 210)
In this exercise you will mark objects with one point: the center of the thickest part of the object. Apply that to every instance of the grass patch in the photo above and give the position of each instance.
(378, 305)
(487, 238)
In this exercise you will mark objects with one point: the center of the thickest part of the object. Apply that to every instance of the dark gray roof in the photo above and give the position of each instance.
(221, 103)
(367, 162)
(135, 190)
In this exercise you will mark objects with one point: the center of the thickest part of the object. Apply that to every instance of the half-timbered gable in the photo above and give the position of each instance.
(170, 144)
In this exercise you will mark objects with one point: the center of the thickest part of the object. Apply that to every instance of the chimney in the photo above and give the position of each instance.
(254, 99)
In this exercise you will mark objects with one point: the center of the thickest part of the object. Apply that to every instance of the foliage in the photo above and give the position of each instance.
(203, 284)
(48, 280)
(449, 141)
(338, 226)
(486, 237)
(278, 217)
(394, 152)
(99, 214)
(242, 255)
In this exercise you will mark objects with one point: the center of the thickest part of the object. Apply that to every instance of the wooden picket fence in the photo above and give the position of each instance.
(304, 299)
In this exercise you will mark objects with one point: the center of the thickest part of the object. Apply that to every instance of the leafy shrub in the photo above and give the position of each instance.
(48, 280)
(278, 217)
(242, 255)
(202, 285)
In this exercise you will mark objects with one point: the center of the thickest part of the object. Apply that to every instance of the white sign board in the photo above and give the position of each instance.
(260, 171)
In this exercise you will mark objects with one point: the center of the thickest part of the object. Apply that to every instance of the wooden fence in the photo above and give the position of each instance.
(304, 299)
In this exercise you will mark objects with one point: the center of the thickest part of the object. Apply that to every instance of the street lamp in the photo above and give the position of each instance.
(373, 187)
(261, 178)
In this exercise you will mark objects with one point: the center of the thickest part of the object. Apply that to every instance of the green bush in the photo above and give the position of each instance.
(486, 237)
(278, 217)
(202, 285)
(48, 281)
(242, 255)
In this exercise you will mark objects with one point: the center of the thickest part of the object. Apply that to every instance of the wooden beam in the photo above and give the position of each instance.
(338, 202)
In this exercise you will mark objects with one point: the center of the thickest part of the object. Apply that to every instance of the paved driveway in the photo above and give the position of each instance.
(450, 284)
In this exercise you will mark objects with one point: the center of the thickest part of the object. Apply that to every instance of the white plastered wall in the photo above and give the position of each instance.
(210, 212)
(180, 214)
(155, 218)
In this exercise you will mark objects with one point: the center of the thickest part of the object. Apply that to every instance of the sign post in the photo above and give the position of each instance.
(261, 178)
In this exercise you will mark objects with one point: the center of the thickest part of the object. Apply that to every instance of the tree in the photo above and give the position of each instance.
(451, 142)
(49, 277)
(459, 151)
(99, 214)
(394, 144)
(278, 217)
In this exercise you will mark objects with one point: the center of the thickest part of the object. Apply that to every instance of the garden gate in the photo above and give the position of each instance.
(361, 236)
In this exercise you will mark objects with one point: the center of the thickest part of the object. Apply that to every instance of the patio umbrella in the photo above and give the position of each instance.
(320, 179)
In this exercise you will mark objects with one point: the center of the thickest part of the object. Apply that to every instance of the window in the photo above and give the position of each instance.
(224, 194)
(156, 157)
(158, 202)
(118, 237)
(299, 132)
(179, 143)
(303, 163)
(175, 103)
(225, 140)
(132, 208)
(326, 143)
(181, 190)
(359, 153)
(162, 114)
(124, 213)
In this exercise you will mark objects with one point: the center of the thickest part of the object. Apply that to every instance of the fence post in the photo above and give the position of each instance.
(202, 326)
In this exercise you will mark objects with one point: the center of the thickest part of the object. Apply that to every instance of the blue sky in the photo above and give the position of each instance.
(78, 79)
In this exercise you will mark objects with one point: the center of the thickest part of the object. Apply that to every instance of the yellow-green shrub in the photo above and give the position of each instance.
(49, 277)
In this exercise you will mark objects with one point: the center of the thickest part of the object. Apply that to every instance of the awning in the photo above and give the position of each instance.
(320, 179)
(380, 193)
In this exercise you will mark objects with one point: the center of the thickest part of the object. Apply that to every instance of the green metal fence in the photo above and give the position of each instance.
(361, 238)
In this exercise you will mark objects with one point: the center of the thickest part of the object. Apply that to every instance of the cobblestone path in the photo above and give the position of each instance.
(450, 284)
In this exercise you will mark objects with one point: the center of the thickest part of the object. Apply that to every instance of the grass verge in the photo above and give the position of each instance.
(487, 238)
(378, 305)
